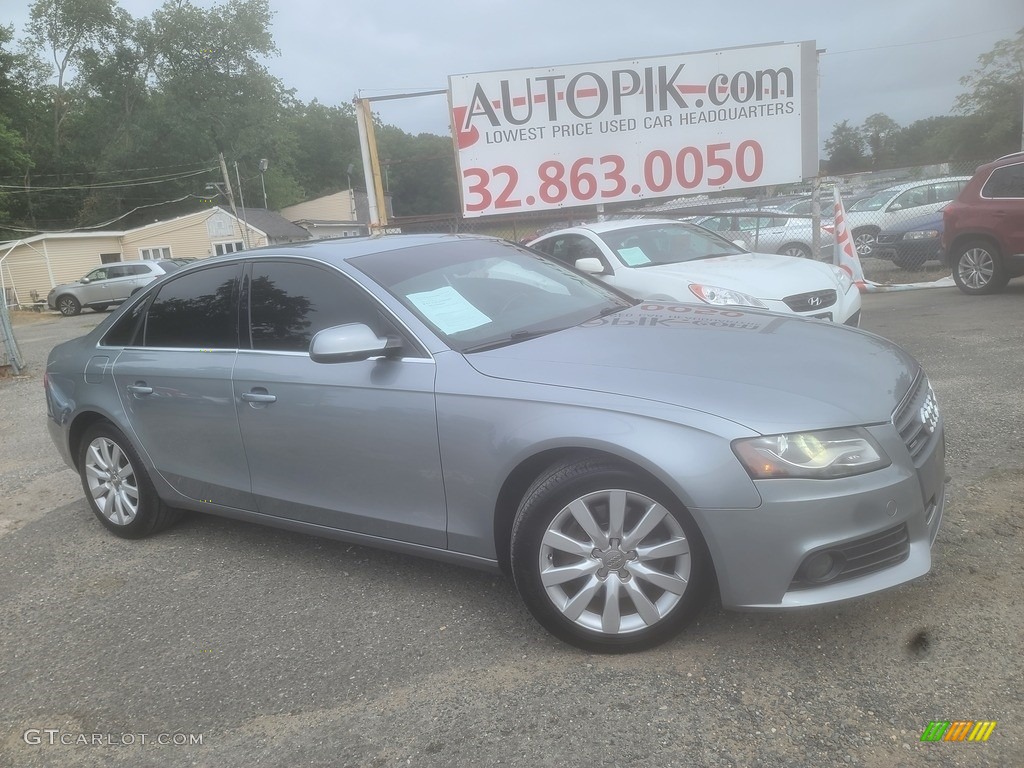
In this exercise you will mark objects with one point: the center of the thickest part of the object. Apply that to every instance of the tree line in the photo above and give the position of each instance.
(986, 122)
(110, 121)
(102, 114)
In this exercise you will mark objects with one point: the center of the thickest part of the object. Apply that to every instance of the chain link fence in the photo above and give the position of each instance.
(895, 216)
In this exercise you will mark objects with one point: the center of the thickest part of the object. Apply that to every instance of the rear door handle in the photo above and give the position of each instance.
(259, 395)
(140, 388)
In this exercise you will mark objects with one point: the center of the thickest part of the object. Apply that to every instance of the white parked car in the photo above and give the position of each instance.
(892, 206)
(676, 261)
(788, 235)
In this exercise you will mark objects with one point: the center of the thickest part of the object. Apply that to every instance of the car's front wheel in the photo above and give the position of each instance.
(117, 485)
(864, 240)
(68, 306)
(606, 559)
(978, 268)
(799, 250)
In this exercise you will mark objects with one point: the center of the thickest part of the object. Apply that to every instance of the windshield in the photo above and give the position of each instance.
(480, 294)
(647, 245)
(874, 202)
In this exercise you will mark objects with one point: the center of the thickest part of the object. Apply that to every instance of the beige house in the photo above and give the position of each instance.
(30, 267)
(343, 214)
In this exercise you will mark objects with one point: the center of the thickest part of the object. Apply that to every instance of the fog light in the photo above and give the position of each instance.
(821, 567)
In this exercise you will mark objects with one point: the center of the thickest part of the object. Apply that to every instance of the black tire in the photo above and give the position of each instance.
(104, 446)
(978, 267)
(100, 307)
(799, 250)
(546, 534)
(864, 240)
(68, 305)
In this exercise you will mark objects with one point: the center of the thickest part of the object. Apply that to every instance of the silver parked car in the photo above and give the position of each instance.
(109, 284)
(465, 399)
(786, 235)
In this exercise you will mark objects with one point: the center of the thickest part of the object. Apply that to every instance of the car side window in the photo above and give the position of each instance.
(118, 271)
(98, 274)
(291, 302)
(196, 311)
(1007, 181)
(910, 199)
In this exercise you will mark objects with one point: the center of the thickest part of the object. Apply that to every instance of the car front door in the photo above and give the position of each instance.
(175, 384)
(95, 287)
(349, 445)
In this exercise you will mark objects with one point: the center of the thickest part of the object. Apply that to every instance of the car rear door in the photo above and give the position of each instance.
(175, 385)
(351, 446)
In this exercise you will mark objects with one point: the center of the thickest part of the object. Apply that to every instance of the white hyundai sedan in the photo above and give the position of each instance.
(675, 261)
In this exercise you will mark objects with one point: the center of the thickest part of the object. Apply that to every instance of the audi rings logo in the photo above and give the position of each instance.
(930, 413)
(814, 301)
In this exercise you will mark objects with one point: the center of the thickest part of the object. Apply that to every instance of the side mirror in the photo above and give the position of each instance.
(349, 343)
(740, 243)
(591, 265)
(85, 281)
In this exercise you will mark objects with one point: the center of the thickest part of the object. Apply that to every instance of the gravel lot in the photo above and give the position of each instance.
(284, 650)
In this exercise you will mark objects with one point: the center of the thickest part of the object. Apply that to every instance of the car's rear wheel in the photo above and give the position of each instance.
(799, 250)
(117, 485)
(606, 559)
(978, 268)
(864, 240)
(68, 306)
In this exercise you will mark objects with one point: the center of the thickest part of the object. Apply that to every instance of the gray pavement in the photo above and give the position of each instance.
(278, 649)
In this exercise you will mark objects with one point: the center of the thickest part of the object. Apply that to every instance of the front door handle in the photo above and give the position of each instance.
(259, 395)
(140, 388)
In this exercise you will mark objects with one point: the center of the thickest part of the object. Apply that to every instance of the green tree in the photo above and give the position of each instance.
(64, 29)
(420, 172)
(993, 99)
(880, 133)
(845, 149)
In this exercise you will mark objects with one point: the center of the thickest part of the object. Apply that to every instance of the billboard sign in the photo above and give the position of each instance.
(551, 137)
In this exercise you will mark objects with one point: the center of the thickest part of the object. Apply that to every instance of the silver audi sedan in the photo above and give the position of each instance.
(465, 399)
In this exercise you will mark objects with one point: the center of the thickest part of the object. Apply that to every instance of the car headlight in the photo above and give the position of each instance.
(818, 455)
(845, 281)
(711, 294)
(922, 234)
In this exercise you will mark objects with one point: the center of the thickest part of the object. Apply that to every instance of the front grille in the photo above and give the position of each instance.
(863, 556)
(811, 302)
(917, 417)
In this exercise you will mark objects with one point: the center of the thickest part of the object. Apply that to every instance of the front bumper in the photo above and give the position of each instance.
(888, 518)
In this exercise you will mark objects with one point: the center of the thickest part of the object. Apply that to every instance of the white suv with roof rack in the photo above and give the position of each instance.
(887, 208)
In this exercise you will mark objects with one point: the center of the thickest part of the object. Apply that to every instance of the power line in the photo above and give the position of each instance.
(918, 42)
(98, 172)
(104, 223)
(14, 189)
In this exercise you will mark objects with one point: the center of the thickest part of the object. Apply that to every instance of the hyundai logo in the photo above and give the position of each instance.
(814, 301)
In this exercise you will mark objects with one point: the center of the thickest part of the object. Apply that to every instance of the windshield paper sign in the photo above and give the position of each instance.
(535, 139)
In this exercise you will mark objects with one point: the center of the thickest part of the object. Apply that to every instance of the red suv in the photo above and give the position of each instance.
(983, 229)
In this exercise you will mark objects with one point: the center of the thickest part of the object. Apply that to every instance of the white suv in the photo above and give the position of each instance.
(109, 284)
(891, 206)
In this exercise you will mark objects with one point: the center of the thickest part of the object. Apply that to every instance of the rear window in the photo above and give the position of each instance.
(1007, 181)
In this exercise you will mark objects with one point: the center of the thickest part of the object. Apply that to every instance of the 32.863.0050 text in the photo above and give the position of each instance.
(608, 176)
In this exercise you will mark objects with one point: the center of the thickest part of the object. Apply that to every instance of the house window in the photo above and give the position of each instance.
(107, 258)
(230, 247)
(152, 254)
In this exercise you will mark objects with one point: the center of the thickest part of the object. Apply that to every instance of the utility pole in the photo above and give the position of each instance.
(227, 186)
(245, 224)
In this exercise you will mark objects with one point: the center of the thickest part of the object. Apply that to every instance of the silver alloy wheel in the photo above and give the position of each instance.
(976, 268)
(865, 243)
(615, 561)
(67, 306)
(112, 481)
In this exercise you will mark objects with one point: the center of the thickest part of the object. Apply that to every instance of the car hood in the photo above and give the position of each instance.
(72, 284)
(769, 372)
(762, 275)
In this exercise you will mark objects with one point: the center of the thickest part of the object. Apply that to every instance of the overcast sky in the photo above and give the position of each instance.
(901, 57)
